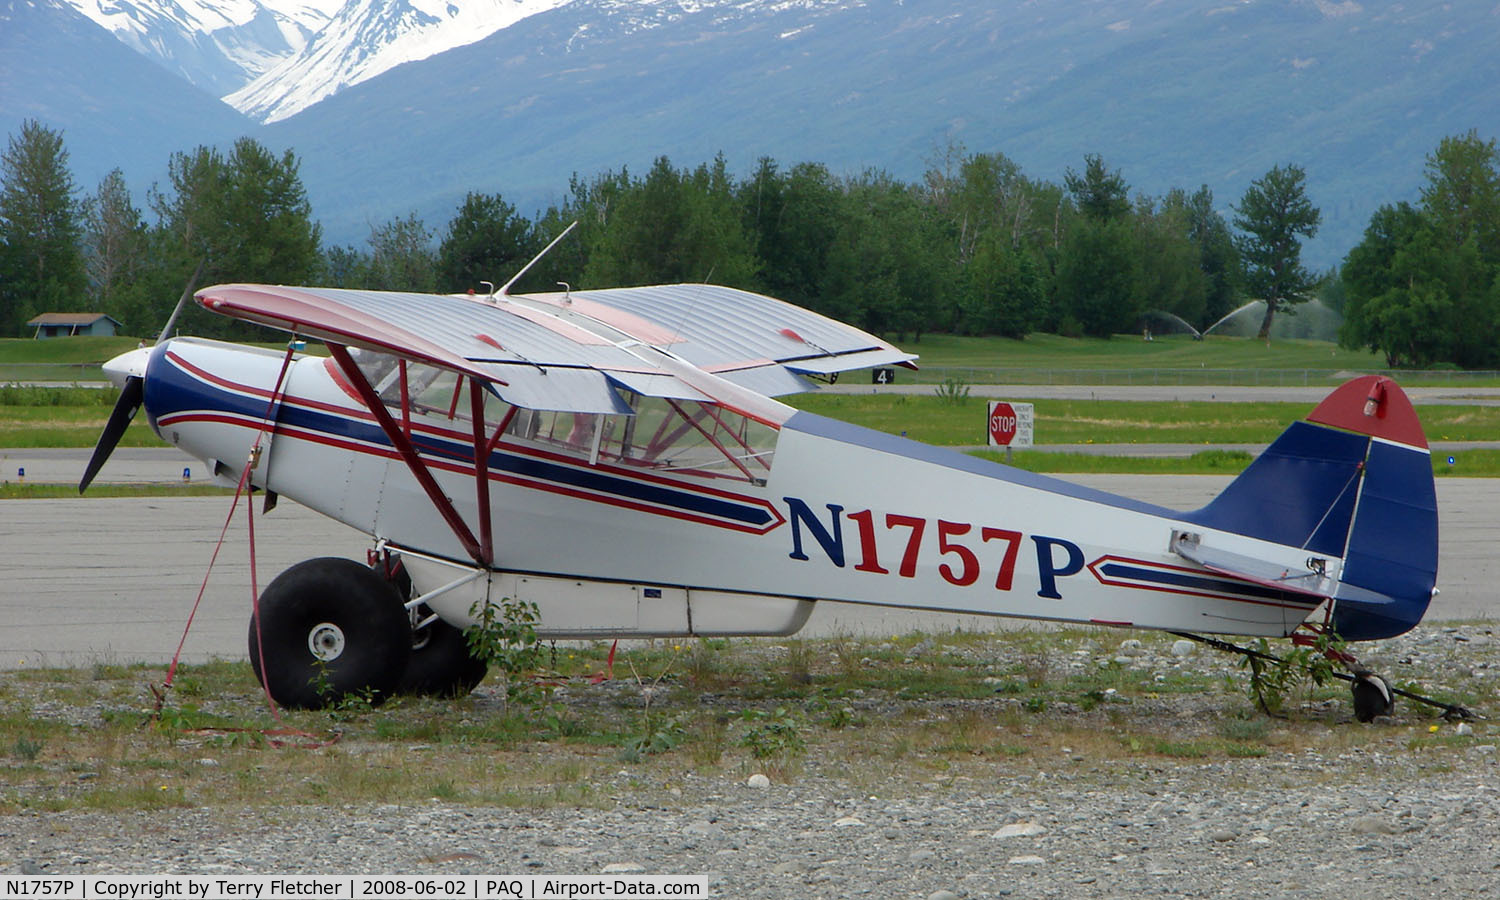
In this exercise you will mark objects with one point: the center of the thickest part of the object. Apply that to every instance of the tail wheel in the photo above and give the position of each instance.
(1372, 696)
(327, 628)
(440, 664)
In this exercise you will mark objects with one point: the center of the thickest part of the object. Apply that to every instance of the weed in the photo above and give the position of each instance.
(937, 717)
(841, 717)
(1244, 730)
(847, 655)
(659, 737)
(773, 734)
(1037, 670)
(710, 738)
(705, 663)
(1229, 460)
(352, 705)
(504, 636)
(798, 667)
(953, 392)
(26, 749)
(1299, 668)
(443, 789)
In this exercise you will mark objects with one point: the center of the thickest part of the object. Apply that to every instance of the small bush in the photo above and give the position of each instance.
(953, 391)
(776, 733)
(504, 636)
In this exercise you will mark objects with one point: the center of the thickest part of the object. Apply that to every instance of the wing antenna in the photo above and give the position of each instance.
(505, 288)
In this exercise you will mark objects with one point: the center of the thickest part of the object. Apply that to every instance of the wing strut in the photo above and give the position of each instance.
(481, 470)
(480, 552)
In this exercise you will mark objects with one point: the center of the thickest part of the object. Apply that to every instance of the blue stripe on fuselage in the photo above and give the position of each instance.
(1204, 583)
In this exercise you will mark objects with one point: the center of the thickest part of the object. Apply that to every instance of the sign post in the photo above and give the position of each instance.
(1010, 425)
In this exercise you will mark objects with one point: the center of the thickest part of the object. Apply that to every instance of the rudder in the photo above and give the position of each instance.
(1353, 481)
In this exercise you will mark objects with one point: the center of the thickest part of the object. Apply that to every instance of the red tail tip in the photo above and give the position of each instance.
(1373, 405)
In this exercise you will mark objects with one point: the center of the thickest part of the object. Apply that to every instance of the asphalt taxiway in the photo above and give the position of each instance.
(114, 580)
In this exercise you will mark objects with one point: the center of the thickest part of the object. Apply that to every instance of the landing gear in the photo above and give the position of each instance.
(327, 628)
(1372, 695)
(440, 663)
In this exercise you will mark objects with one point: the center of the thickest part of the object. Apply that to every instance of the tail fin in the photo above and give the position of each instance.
(1355, 482)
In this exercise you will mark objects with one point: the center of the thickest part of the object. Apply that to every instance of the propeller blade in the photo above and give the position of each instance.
(119, 419)
(187, 292)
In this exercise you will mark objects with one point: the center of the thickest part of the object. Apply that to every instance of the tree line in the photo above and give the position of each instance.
(1423, 285)
(976, 246)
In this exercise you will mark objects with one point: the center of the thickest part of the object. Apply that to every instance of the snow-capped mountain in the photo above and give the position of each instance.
(216, 45)
(517, 96)
(368, 37)
(271, 59)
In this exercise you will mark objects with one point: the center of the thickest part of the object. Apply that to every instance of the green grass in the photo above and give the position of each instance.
(1050, 351)
(64, 351)
(66, 426)
(1204, 462)
(1467, 463)
(76, 359)
(933, 420)
(59, 359)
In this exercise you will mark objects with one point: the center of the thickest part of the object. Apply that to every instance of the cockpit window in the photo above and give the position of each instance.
(663, 435)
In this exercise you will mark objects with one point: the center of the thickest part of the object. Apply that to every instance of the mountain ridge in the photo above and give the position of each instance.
(1169, 92)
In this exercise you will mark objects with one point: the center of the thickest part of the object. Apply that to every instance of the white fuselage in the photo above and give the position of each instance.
(613, 547)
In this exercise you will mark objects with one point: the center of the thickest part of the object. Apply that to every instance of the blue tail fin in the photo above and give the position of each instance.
(1354, 481)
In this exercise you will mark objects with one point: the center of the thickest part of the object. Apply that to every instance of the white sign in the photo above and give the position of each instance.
(1010, 424)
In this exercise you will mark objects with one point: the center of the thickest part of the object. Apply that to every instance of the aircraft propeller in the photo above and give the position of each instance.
(128, 372)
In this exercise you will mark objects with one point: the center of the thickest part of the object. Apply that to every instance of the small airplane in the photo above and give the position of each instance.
(618, 458)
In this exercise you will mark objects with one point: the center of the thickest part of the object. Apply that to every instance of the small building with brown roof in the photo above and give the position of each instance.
(49, 325)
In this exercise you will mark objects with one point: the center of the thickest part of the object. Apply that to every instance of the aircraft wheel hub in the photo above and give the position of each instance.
(326, 641)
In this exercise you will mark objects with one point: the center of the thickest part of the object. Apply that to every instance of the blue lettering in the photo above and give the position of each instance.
(832, 544)
(1047, 567)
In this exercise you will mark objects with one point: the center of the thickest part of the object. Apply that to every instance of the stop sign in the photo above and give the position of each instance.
(1002, 424)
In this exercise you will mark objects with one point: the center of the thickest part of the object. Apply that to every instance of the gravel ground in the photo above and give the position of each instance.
(1408, 806)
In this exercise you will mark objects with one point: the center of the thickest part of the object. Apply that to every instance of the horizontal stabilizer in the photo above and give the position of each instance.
(1307, 581)
(1273, 575)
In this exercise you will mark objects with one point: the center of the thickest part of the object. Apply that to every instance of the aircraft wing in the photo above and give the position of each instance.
(573, 350)
(745, 337)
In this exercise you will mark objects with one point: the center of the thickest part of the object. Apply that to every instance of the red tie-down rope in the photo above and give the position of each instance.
(274, 735)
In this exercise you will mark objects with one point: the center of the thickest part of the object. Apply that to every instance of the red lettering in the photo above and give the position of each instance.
(1008, 564)
(970, 562)
(869, 556)
(913, 544)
